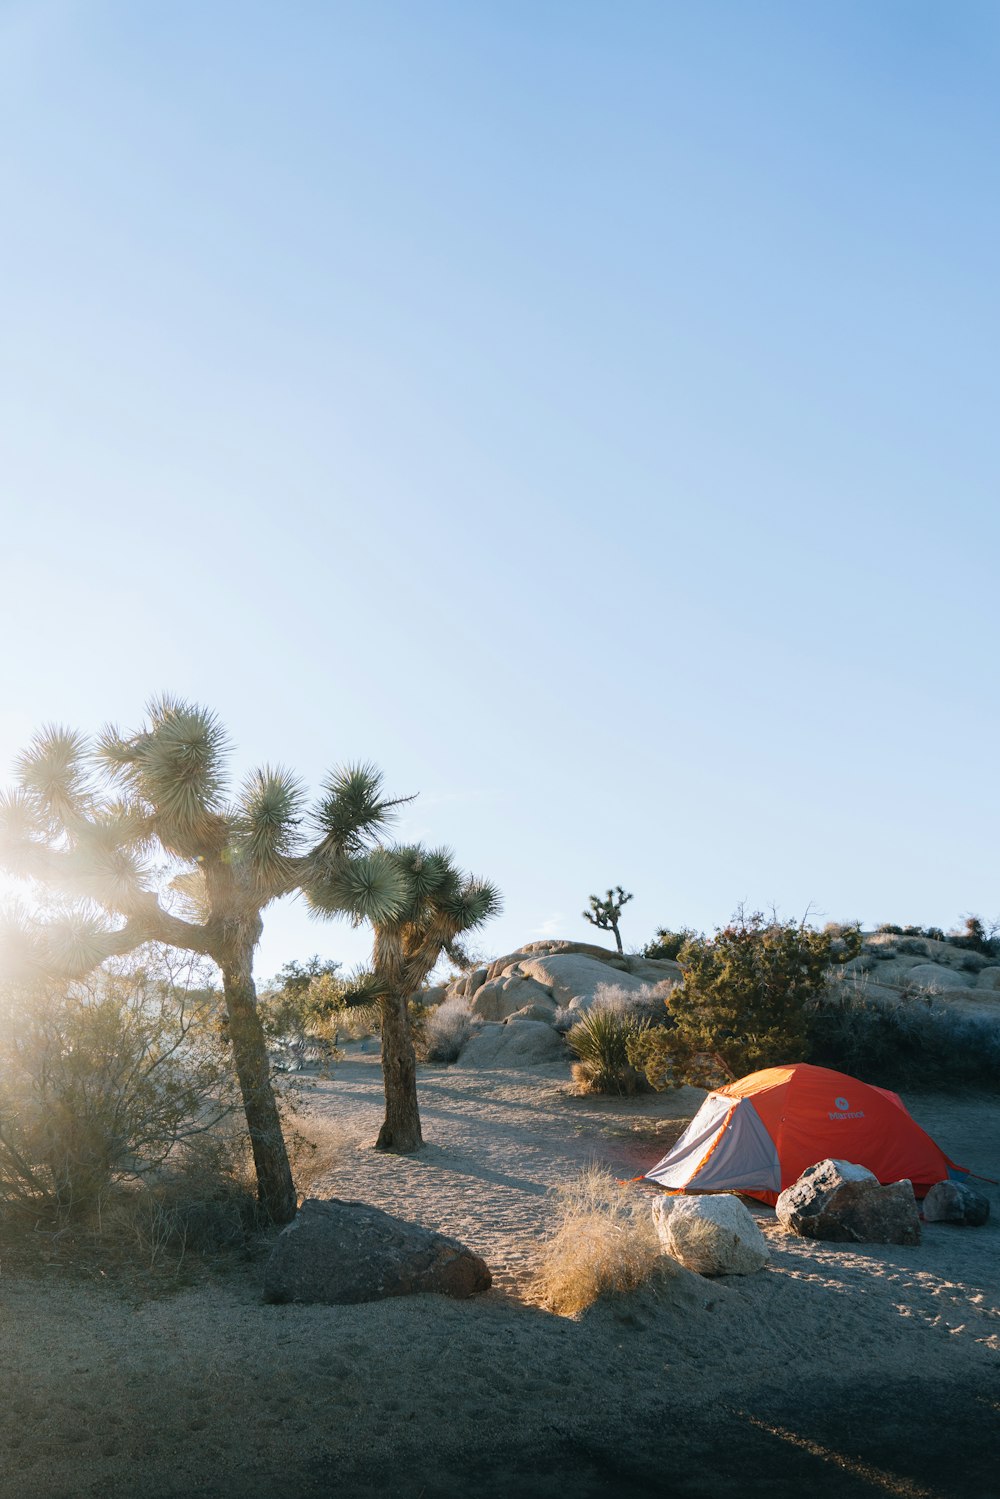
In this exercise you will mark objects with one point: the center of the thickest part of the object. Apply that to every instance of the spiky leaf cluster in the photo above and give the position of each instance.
(433, 904)
(353, 809)
(175, 767)
(86, 821)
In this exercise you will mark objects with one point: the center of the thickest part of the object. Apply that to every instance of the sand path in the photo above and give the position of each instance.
(497, 1143)
(848, 1373)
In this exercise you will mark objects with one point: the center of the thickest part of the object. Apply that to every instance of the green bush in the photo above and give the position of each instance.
(305, 1007)
(743, 1004)
(913, 1043)
(667, 943)
(102, 1080)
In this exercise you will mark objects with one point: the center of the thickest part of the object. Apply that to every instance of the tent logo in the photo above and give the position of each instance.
(843, 1109)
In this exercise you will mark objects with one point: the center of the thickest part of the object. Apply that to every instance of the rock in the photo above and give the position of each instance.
(898, 970)
(521, 964)
(544, 1012)
(845, 1204)
(574, 975)
(433, 995)
(498, 998)
(710, 1235)
(989, 978)
(937, 976)
(552, 947)
(338, 1252)
(954, 1202)
(529, 1043)
(654, 970)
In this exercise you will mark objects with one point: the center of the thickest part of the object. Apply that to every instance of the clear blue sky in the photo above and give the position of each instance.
(586, 411)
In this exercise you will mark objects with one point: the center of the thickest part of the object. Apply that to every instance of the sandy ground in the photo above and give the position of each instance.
(833, 1371)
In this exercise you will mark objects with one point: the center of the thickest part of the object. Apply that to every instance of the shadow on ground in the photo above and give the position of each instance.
(914, 1439)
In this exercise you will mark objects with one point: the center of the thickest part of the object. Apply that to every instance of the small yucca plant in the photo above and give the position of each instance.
(601, 1040)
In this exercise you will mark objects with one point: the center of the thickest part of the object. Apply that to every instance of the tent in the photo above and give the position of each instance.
(759, 1134)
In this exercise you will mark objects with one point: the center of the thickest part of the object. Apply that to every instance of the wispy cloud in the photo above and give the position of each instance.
(550, 926)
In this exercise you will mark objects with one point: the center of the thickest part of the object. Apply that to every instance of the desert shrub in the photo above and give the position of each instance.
(974, 936)
(102, 1080)
(417, 1014)
(303, 1009)
(564, 1018)
(603, 1241)
(600, 1038)
(667, 943)
(317, 1145)
(912, 946)
(447, 1028)
(977, 938)
(916, 1042)
(743, 1002)
(667, 1060)
(646, 1003)
(356, 1022)
(202, 1201)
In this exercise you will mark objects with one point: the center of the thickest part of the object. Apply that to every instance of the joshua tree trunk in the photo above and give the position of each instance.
(275, 1187)
(401, 1129)
(621, 950)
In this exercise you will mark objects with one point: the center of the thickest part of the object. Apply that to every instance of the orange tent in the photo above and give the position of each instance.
(759, 1134)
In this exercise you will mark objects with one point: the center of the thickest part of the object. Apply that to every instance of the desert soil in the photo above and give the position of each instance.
(834, 1371)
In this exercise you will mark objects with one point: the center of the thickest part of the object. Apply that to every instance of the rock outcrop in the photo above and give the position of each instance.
(555, 974)
(713, 1235)
(845, 1204)
(503, 996)
(337, 1252)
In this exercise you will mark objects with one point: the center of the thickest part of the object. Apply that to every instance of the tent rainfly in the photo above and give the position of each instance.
(758, 1135)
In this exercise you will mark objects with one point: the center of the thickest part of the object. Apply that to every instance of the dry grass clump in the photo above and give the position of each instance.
(316, 1147)
(603, 1242)
(357, 1022)
(446, 1030)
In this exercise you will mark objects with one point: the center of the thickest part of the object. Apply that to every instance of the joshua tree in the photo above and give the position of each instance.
(165, 799)
(440, 906)
(605, 913)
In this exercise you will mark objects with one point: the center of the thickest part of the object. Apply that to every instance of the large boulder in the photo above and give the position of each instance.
(468, 983)
(570, 976)
(710, 1235)
(545, 1012)
(845, 1204)
(500, 997)
(338, 1252)
(527, 1043)
(601, 965)
(955, 1202)
(937, 976)
(552, 947)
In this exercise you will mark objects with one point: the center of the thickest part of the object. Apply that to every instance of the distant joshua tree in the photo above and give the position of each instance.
(607, 912)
